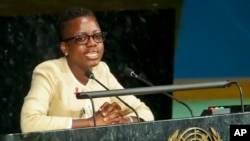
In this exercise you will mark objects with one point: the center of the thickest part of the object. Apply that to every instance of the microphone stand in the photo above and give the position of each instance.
(93, 107)
(131, 73)
(241, 96)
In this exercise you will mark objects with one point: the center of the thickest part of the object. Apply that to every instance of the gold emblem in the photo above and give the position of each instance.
(195, 134)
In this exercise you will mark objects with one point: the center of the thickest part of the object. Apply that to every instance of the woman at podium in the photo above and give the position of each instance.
(51, 102)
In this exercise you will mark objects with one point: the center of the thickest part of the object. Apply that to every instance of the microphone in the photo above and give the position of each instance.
(131, 73)
(90, 75)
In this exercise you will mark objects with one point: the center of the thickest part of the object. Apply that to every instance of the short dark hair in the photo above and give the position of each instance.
(70, 14)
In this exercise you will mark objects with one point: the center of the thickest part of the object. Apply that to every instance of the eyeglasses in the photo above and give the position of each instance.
(83, 38)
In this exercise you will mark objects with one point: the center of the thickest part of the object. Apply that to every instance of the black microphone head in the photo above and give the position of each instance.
(89, 74)
(129, 72)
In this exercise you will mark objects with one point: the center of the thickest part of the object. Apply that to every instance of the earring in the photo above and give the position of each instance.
(66, 53)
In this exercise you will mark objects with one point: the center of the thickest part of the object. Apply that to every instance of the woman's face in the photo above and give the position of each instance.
(87, 55)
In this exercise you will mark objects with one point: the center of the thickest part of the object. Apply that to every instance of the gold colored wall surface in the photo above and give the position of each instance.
(231, 92)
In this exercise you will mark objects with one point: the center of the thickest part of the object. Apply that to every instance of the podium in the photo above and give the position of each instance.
(212, 128)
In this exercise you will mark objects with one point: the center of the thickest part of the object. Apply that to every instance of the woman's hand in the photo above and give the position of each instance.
(108, 114)
(111, 113)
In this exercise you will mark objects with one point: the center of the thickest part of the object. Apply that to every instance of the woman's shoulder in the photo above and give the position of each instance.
(101, 66)
(52, 64)
(101, 70)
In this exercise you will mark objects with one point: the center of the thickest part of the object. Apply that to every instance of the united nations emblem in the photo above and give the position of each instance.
(195, 134)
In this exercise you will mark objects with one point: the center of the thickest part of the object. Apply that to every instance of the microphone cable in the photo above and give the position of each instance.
(131, 73)
(90, 75)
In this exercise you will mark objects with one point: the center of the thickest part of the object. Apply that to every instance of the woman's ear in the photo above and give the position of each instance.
(64, 48)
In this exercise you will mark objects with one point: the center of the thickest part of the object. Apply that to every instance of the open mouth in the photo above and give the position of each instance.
(92, 55)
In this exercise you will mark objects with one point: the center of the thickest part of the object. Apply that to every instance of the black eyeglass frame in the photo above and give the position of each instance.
(103, 34)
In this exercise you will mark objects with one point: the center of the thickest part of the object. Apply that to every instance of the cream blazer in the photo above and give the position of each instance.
(51, 103)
